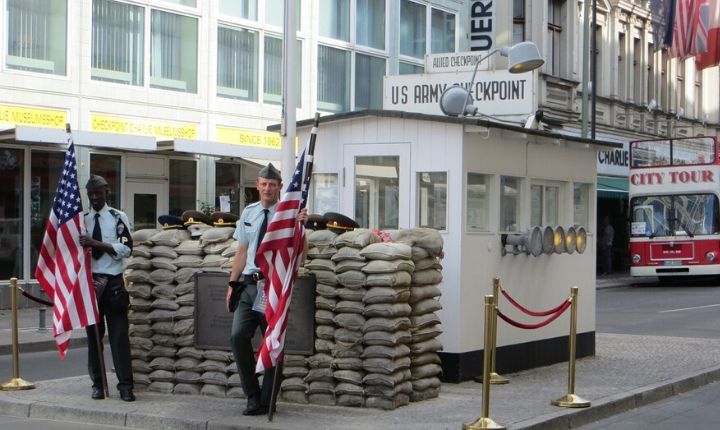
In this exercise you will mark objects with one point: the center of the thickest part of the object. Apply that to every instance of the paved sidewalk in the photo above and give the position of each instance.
(627, 371)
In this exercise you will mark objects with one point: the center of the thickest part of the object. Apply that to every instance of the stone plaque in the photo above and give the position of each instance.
(213, 322)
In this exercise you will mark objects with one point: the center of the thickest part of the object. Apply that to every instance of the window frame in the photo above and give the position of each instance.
(482, 210)
(427, 209)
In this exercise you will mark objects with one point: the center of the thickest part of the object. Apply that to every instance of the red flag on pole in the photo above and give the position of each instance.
(63, 268)
(711, 57)
(278, 255)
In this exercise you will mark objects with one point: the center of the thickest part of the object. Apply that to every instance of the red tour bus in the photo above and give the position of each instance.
(674, 214)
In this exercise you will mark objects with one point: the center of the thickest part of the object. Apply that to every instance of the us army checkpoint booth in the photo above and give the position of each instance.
(475, 181)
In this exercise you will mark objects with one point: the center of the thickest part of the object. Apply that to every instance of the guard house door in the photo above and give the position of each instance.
(376, 185)
(144, 202)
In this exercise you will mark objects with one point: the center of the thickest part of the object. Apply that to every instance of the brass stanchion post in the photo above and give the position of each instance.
(484, 422)
(495, 378)
(571, 400)
(16, 383)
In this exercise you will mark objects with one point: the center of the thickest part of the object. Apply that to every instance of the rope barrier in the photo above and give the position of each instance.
(552, 318)
(35, 298)
(528, 311)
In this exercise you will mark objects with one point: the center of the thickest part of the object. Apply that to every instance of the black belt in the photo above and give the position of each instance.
(253, 277)
(109, 276)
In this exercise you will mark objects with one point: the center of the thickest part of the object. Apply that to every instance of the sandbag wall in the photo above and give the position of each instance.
(376, 321)
(162, 303)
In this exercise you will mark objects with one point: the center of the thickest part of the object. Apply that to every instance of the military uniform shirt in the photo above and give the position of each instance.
(109, 264)
(247, 229)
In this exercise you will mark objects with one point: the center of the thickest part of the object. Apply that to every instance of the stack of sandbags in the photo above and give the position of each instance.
(319, 382)
(214, 372)
(425, 324)
(293, 387)
(386, 335)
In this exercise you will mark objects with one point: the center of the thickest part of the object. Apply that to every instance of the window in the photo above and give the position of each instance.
(442, 31)
(651, 75)
(377, 200)
(675, 215)
(182, 186)
(518, 21)
(370, 23)
(324, 193)
(477, 205)
(555, 28)
(410, 69)
(698, 101)
(680, 85)
(412, 29)
(36, 35)
(544, 204)
(45, 170)
(245, 9)
(229, 187)
(335, 19)
(637, 67)
(108, 166)
(333, 84)
(275, 12)
(237, 63)
(173, 52)
(11, 221)
(191, 3)
(581, 205)
(432, 200)
(622, 67)
(369, 72)
(509, 203)
(117, 42)
(272, 81)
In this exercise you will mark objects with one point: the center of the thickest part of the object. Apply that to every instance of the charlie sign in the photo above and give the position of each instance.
(496, 92)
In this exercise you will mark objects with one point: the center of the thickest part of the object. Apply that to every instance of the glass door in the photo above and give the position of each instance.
(376, 186)
(144, 203)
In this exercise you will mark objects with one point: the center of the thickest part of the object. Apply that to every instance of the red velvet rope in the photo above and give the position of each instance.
(36, 299)
(552, 318)
(528, 311)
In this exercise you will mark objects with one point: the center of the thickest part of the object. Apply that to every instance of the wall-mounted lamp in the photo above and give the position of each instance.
(522, 57)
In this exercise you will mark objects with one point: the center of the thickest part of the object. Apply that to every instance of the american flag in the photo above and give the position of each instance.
(711, 56)
(63, 268)
(684, 29)
(278, 255)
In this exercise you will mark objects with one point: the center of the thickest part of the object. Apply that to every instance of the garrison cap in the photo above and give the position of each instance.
(270, 172)
(195, 217)
(170, 222)
(339, 223)
(96, 181)
(315, 222)
(224, 219)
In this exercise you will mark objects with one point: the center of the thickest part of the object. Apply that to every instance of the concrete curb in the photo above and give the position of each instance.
(41, 346)
(616, 404)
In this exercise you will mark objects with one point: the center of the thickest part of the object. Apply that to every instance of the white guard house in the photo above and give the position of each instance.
(473, 180)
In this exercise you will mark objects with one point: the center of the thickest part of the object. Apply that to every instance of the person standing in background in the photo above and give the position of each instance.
(606, 242)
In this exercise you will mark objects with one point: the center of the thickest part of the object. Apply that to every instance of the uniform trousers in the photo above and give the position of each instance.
(244, 326)
(113, 308)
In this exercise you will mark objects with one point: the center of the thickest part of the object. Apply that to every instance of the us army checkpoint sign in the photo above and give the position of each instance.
(496, 92)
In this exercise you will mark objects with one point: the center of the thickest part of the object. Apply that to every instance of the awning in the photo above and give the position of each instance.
(613, 188)
(22, 133)
(219, 149)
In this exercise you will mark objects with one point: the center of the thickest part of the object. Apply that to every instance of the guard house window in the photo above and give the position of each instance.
(182, 186)
(412, 29)
(333, 79)
(555, 32)
(45, 170)
(245, 9)
(173, 52)
(518, 21)
(432, 200)
(232, 192)
(377, 192)
(36, 36)
(581, 204)
(477, 205)
(324, 193)
(369, 72)
(544, 204)
(442, 31)
(335, 19)
(272, 80)
(237, 63)
(509, 203)
(108, 166)
(370, 25)
(11, 212)
(117, 42)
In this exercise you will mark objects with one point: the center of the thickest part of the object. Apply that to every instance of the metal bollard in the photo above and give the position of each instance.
(572, 400)
(16, 383)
